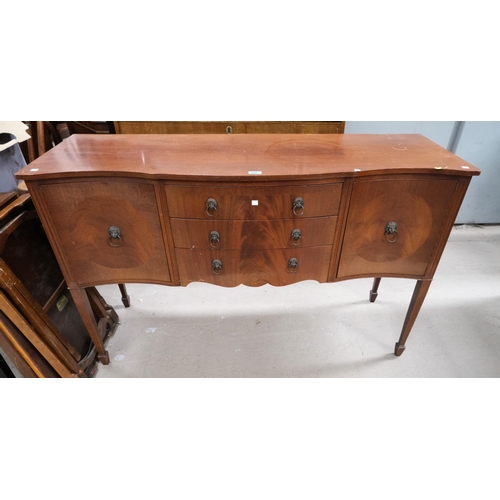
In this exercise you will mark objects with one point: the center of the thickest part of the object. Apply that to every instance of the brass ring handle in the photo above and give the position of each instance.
(115, 236)
(214, 239)
(296, 236)
(211, 207)
(293, 265)
(216, 266)
(298, 206)
(391, 232)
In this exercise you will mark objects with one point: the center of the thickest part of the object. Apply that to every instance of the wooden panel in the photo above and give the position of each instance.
(254, 267)
(6, 198)
(30, 257)
(294, 127)
(26, 358)
(252, 202)
(82, 213)
(419, 207)
(231, 156)
(235, 235)
(159, 127)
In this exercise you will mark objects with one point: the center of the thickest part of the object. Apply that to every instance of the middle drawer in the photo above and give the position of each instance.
(264, 234)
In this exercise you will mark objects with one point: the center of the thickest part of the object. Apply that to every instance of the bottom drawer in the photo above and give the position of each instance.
(254, 267)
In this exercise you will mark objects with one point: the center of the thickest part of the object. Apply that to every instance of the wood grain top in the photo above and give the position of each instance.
(232, 157)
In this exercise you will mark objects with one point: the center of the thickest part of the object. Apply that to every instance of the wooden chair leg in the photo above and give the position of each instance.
(373, 291)
(96, 332)
(417, 300)
(109, 311)
(125, 296)
(40, 128)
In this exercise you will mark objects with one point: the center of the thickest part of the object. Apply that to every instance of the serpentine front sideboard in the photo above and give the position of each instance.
(246, 209)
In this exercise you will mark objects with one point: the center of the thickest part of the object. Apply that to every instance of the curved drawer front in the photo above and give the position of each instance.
(110, 231)
(393, 226)
(239, 234)
(254, 267)
(253, 202)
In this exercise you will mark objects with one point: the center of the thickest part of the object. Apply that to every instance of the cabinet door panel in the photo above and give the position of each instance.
(83, 213)
(417, 207)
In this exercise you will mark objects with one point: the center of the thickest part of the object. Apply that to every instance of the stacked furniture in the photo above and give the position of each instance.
(41, 330)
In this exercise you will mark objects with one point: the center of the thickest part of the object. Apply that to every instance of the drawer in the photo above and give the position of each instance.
(82, 215)
(254, 267)
(253, 202)
(418, 209)
(238, 234)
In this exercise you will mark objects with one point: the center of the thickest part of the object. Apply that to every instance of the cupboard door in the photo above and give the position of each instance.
(110, 231)
(393, 226)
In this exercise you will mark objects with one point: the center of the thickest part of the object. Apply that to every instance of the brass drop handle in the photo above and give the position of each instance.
(298, 206)
(211, 207)
(115, 236)
(293, 265)
(214, 239)
(296, 237)
(391, 232)
(216, 266)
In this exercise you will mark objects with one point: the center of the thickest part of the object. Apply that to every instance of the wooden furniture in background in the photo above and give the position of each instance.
(243, 208)
(40, 327)
(47, 134)
(229, 127)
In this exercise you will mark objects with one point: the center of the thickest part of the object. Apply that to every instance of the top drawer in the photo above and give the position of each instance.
(253, 202)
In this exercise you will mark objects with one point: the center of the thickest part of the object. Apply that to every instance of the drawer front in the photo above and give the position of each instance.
(253, 202)
(243, 234)
(417, 207)
(84, 212)
(254, 267)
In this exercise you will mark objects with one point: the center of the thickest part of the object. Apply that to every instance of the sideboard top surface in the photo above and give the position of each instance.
(244, 157)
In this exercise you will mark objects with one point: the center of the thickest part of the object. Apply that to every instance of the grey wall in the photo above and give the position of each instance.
(479, 144)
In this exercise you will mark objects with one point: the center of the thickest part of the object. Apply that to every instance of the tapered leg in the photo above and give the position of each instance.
(416, 303)
(85, 309)
(373, 291)
(125, 296)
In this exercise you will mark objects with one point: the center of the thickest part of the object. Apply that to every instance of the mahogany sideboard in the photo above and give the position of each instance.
(247, 209)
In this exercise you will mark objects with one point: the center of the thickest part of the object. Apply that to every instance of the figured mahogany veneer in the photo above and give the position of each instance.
(84, 211)
(254, 267)
(253, 234)
(273, 202)
(418, 206)
(247, 209)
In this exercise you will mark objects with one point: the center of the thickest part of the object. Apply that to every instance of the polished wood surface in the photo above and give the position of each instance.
(83, 213)
(231, 157)
(371, 206)
(417, 206)
(238, 127)
(253, 202)
(254, 267)
(239, 234)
